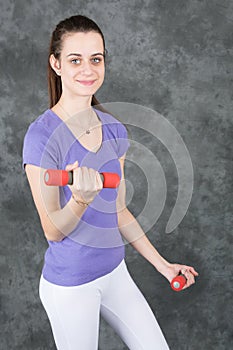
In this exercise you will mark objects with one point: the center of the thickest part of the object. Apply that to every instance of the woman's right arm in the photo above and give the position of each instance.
(58, 222)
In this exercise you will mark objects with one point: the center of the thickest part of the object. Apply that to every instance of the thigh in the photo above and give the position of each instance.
(126, 310)
(73, 313)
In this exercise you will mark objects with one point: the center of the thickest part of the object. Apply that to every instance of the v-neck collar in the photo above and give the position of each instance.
(81, 145)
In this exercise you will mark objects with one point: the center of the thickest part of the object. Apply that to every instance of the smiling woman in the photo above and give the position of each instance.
(64, 29)
(84, 272)
(80, 64)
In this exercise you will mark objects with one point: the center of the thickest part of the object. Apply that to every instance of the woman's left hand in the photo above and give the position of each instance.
(172, 270)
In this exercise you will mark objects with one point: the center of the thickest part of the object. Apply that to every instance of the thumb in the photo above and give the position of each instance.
(73, 166)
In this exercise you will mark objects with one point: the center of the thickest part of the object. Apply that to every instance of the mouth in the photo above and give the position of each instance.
(86, 82)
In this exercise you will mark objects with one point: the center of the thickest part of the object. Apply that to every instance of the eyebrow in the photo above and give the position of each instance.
(79, 55)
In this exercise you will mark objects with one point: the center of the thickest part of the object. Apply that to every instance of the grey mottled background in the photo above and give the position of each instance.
(175, 57)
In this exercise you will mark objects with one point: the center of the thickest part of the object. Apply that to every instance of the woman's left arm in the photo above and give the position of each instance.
(133, 233)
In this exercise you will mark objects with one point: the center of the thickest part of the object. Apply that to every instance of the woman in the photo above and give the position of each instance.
(84, 271)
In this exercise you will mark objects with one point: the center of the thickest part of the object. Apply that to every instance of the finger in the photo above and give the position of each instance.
(79, 178)
(190, 269)
(193, 271)
(71, 167)
(78, 184)
(93, 183)
(87, 177)
(190, 279)
(98, 182)
(184, 270)
(86, 183)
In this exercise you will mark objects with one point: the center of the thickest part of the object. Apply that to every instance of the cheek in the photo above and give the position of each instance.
(67, 71)
(102, 71)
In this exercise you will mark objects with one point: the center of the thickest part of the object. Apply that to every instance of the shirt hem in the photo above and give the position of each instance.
(78, 281)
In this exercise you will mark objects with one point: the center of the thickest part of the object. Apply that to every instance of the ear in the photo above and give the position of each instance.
(55, 64)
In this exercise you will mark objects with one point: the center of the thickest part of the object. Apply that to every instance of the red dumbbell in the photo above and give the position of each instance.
(54, 177)
(178, 282)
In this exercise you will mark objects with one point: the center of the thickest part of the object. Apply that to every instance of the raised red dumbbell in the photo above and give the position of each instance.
(54, 177)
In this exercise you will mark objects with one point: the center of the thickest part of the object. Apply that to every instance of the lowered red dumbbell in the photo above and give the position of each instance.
(178, 282)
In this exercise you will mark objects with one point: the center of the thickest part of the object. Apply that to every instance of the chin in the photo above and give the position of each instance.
(88, 91)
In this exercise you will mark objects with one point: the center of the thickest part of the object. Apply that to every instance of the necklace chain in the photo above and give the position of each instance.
(87, 131)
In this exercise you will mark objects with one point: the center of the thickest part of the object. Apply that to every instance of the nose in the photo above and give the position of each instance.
(86, 68)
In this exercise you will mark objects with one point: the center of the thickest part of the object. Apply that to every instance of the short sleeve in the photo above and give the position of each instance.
(39, 148)
(122, 140)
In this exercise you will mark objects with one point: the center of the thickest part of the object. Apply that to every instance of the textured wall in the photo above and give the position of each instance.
(175, 57)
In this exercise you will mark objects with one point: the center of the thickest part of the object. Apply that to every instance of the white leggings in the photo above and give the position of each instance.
(74, 313)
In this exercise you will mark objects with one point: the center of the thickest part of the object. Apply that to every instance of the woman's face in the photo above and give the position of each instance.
(81, 63)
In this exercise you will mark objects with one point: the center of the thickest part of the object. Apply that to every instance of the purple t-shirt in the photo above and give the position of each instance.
(95, 247)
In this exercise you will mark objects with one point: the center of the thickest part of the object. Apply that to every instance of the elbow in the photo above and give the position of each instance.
(54, 238)
(123, 216)
(51, 232)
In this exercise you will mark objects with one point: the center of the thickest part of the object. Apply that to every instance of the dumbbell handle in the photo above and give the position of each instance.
(178, 282)
(54, 177)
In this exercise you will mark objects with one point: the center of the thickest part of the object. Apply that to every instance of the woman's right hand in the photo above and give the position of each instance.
(86, 185)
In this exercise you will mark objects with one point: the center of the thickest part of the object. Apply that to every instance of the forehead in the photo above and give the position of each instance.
(83, 43)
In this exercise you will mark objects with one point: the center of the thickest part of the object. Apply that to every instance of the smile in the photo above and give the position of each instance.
(86, 82)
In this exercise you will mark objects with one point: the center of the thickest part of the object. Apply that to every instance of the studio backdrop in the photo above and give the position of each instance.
(169, 75)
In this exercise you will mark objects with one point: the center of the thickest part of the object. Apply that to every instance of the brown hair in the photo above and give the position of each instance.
(72, 24)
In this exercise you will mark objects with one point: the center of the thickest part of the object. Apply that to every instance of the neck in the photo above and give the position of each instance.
(77, 112)
(75, 105)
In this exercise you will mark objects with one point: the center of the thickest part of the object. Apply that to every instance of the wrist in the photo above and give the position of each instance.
(79, 202)
(163, 266)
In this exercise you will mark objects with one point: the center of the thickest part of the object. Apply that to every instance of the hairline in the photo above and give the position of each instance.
(71, 32)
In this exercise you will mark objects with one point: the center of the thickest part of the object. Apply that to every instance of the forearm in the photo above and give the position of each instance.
(133, 233)
(57, 222)
(60, 223)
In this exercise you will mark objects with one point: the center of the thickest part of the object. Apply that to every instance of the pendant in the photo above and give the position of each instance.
(88, 132)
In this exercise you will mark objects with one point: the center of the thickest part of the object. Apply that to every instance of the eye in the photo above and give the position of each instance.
(97, 60)
(76, 61)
